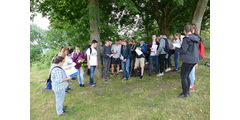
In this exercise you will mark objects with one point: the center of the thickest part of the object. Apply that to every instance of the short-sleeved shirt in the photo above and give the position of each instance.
(93, 56)
(57, 76)
(117, 51)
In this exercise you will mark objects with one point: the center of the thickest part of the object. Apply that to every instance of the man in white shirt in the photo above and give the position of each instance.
(92, 61)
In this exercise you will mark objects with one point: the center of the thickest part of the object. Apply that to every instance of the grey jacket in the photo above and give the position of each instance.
(189, 49)
(162, 45)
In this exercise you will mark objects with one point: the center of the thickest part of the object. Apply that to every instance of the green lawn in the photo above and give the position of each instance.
(153, 98)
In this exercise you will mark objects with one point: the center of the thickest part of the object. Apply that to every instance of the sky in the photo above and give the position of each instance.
(40, 21)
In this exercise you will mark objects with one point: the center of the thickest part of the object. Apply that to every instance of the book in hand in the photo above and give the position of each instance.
(71, 72)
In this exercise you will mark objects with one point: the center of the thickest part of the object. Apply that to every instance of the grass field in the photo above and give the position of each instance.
(153, 98)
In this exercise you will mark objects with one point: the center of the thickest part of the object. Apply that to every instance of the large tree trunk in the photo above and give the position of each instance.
(95, 35)
(198, 14)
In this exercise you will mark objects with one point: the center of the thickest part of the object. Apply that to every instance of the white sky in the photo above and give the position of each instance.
(40, 21)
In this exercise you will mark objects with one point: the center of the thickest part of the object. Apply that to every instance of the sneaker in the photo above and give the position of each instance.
(112, 75)
(83, 86)
(175, 70)
(191, 88)
(80, 85)
(168, 69)
(64, 112)
(141, 77)
(93, 85)
(69, 89)
(182, 95)
(66, 92)
(123, 78)
(160, 74)
(127, 78)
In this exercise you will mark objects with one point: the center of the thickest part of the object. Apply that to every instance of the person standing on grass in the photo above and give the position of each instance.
(140, 59)
(59, 84)
(125, 57)
(92, 61)
(176, 53)
(162, 54)
(70, 49)
(79, 58)
(152, 48)
(170, 52)
(106, 57)
(192, 73)
(68, 61)
(189, 56)
(116, 51)
(133, 55)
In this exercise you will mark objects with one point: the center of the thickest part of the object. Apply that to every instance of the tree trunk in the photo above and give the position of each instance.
(198, 14)
(95, 35)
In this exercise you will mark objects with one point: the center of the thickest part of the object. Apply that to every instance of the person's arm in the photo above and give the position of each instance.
(88, 57)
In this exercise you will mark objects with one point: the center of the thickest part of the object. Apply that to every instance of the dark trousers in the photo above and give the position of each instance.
(131, 69)
(185, 71)
(106, 64)
(161, 62)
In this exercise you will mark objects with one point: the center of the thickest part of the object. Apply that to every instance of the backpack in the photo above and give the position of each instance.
(201, 50)
(85, 50)
(137, 73)
(49, 82)
(166, 48)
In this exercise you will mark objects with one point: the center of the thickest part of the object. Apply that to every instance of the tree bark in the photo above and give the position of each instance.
(95, 35)
(198, 14)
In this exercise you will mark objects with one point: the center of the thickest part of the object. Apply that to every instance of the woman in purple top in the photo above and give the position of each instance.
(78, 58)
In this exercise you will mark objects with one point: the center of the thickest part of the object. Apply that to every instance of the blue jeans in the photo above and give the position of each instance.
(192, 76)
(125, 67)
(80, 76)
(92, 69)
(150, 64)
(176, 54)
(169, 58)
(60, 94)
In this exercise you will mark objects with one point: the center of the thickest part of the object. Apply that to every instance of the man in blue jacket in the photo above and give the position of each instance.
(125, 58)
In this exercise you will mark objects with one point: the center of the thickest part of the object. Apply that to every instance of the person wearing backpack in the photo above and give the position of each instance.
(152, 48)
(125, 58)
(106, 57)
(140, 59)
(59, 84)
(189, 56)
(170, 53)
(79, 58)
(162, 51)
(92, 61)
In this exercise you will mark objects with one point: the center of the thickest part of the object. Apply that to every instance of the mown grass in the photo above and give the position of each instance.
(153, 98)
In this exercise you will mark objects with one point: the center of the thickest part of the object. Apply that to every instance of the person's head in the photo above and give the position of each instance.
(110, 41)
(123, 42)
(194, 29)
(77, 48)
(161, 35)
(154, 37)
(61, 48)
(188, 29)
(94, 43)
(59, 60)
(69, 46)
(131, 41)
(107, 43)
(178, 36)
(171, 37)
(141, 41)
(117, 42)
(66, 52)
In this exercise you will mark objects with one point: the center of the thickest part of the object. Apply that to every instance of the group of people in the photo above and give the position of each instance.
(131, 58)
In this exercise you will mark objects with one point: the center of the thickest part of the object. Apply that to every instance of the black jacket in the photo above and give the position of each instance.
(189, 49)
(126, 53)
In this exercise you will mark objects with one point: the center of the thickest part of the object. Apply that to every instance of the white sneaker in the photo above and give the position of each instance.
(168, 69)
(160, 74)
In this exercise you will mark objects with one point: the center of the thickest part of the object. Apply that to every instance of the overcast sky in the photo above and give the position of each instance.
(41, 22)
